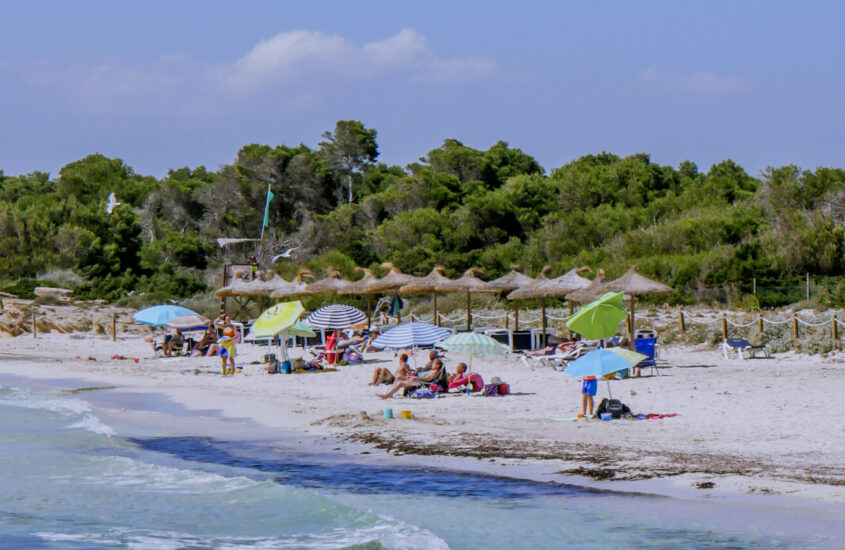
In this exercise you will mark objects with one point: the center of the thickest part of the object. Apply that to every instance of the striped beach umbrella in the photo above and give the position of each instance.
(411, 335)
(336, 316)
(189, 321)
(473, 344)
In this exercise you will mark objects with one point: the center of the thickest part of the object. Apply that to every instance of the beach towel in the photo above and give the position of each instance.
(228, 344)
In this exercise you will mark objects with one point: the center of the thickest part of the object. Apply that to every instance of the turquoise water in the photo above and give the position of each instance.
(69, 480)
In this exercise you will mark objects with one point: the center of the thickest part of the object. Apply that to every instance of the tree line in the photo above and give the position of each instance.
(456, 206)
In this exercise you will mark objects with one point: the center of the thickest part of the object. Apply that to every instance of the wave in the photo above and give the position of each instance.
(67, 407)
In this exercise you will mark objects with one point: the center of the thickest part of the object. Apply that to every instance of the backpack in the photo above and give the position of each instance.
(490, 389)
(613, 406)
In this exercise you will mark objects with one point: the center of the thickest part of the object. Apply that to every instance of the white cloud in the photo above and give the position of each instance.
(704, 82)
(281, 70)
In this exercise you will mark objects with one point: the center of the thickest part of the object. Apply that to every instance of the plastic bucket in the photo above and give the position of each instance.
(606, 416)
(406, 414)
(388, 413)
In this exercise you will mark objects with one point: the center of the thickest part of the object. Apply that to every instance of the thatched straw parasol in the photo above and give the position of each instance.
(295, 288)
(333, 283)
(511, 281)
(391, 282)
(634, 284)
(363, 286)
(589, 293)
(534, 291)
(238, 284)
(469, 283)
(430, 283)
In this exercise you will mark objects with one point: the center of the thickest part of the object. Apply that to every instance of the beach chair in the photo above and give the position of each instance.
(648, 347)
(742, 348)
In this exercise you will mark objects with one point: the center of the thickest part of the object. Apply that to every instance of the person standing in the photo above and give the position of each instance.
(227, 344)
(588, 391)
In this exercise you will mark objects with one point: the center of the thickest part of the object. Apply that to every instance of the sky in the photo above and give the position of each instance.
(167, 84)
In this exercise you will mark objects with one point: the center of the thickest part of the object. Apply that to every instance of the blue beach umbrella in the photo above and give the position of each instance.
(602, 362)
(411, 335)
(157, 316)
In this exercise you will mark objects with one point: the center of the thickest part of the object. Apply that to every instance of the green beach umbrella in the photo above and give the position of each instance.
(599, 319)
(300, 329)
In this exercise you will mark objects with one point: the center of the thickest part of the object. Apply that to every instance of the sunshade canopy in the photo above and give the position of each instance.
(157, 316)
(430, 283)
(529, 291)
(410, 335)
(276, 319)
(335, 316)
(603, 361)
(591, 292)
(362, 285)
(189, 321)
(563, 285)
(634, 283)
(474, 344)
(511, 281)
(332, 283)
(599, 319)
(390, 282)
(468, 282)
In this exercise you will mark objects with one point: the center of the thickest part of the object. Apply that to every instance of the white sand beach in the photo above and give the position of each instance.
(758, 426)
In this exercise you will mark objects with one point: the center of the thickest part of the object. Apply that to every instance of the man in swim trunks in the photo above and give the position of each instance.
(588, 390)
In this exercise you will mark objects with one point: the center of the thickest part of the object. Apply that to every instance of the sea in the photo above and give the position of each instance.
(93, 467)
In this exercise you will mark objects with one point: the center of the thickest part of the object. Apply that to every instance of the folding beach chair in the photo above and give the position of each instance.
(743, 348)
(648, 347)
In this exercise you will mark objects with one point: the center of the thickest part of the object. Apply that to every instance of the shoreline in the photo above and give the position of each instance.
(426, 440)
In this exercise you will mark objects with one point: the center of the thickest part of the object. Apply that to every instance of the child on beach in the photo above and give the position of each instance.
(588, 390)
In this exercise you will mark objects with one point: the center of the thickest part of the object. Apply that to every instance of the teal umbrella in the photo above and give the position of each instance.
(599, 319)
(473, 344)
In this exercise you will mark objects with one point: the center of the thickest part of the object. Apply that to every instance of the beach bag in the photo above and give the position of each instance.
(287, 368)
(504, 389)
(354, 358)
(491, 389)
(424, 393)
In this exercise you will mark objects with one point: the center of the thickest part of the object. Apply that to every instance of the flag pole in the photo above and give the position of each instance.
(266, 220)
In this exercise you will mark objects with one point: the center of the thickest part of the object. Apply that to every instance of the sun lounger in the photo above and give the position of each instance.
(742, 348)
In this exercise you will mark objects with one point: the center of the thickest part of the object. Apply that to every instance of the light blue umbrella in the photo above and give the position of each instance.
(473, 344)
(158, 316)
(603, 361)
(411, 335)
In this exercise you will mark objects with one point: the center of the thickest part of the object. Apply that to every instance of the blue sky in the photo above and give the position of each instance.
(179, 83)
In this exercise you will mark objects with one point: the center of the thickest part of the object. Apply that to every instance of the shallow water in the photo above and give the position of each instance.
(71, 480)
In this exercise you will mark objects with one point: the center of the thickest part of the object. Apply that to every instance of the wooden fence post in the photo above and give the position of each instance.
(795, 327)
(113, 327)
(835, 332)
(724, 327)
(681, 318)
(34, 326)
(760, 324)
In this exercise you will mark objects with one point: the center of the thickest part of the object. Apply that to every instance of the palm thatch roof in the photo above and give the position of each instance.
(511, 281)
(468, 282)
(362, 285)
(592, 292)
(391, 282)
(238, 284)
(531, 291)
(332, 283)
(295, 288)
(430, 283)
(634, 283)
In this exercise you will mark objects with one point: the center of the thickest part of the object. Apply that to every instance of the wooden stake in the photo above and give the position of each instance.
(34, 327)
(113, 327)
(835, 331)
(795, 327)
(724, 327)
(760, 324)
(681, 319)
(516, 315)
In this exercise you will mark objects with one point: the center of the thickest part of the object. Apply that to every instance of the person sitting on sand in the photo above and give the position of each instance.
(415, 381)
(460, 378)
(207, 346)
(173, 343)
(382, 375)
(460, 372)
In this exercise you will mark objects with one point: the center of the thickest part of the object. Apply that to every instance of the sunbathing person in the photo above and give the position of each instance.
(432, 357)
(415, 381)
(382, 375)
(207, 346)
(563, 347)
(460, 378)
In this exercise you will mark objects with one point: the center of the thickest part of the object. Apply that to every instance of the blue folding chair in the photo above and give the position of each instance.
(646, 346)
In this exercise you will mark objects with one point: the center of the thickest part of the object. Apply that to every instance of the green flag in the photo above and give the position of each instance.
(270, 196)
